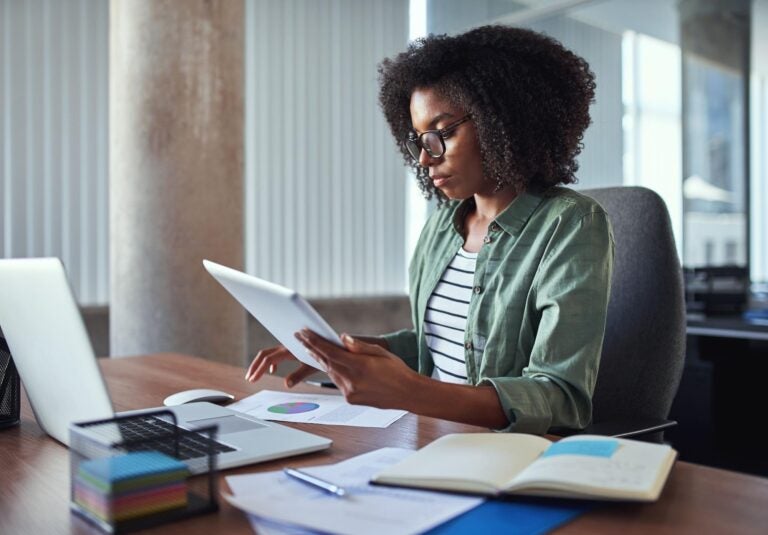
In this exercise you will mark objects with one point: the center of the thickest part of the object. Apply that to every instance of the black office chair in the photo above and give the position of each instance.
(644, 346)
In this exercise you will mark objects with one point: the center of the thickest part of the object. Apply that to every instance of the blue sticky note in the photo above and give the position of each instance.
(132, 465)
(592, 448)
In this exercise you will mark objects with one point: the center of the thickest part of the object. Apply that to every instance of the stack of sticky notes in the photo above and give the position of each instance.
(130, 486)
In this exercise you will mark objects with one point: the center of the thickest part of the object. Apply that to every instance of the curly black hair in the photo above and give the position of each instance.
(528, 95)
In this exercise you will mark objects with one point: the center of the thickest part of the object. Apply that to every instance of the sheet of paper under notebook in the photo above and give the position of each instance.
(279, 504)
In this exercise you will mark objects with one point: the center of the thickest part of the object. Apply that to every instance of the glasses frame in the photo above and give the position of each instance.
(414, 144)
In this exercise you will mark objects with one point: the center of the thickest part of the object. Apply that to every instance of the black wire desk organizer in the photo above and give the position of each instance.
(112, 482)
(10, 388)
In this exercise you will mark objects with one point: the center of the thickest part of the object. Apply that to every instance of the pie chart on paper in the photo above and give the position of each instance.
(293, 407)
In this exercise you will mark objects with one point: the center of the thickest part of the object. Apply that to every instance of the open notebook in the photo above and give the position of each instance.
(585, 466)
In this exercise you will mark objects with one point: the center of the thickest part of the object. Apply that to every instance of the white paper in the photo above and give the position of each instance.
(369, 509)
(314, 409)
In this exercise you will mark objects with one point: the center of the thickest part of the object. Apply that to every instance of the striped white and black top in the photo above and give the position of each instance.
(446, 318)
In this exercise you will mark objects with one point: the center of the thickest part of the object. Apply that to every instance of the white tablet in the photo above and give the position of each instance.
(282, 311)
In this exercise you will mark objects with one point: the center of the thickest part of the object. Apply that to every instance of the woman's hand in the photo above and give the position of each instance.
(267, 360)
(366, 373)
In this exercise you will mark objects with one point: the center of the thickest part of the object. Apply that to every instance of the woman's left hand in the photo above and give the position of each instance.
(367, 374)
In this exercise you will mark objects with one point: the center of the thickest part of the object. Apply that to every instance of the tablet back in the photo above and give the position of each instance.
(282, 311)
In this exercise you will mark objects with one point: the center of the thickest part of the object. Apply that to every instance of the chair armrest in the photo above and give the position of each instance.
(620, 428)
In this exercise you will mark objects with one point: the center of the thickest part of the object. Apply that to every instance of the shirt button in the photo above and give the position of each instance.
(467, 345)
(495, 227)
(487, 239)
(477, 289)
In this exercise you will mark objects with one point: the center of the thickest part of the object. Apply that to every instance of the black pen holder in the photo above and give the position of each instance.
(123, 482)
(10, 388)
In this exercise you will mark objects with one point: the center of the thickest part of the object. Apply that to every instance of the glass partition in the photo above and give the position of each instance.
(672, 111)
(715, 52)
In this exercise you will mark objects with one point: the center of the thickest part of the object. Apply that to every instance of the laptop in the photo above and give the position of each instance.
(53, 354)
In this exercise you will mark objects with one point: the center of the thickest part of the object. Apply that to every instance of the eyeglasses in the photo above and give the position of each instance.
(432, 141)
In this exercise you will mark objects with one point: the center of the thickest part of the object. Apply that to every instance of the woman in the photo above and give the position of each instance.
(510, 279)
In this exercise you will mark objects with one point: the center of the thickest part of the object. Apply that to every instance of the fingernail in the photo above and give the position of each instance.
(271, 369)
(346, 338)
(289, 383)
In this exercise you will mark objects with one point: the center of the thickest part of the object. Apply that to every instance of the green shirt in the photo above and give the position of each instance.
(537, 315)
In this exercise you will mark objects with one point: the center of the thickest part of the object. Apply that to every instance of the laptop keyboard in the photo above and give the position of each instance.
(191, 445)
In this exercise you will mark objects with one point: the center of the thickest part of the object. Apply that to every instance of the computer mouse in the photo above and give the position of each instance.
(197, 394)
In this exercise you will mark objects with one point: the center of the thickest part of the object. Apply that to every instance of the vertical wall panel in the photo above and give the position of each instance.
(53, 130)
(338, 96)
(5, 124)
(15, 204)
(324, 184)
(32, 99)
(101, 148)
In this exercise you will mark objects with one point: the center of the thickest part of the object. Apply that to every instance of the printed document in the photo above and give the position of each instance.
(278, 504)
(314, 409)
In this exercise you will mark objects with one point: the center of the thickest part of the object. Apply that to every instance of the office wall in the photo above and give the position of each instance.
(325, 188)
(356, 315)
(53, 137)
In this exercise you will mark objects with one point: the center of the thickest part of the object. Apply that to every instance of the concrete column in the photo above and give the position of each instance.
(176, 175)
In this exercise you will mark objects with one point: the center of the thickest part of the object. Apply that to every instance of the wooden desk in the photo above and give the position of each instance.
(35, 474)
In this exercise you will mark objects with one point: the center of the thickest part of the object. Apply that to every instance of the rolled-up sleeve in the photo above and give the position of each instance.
(567, 308)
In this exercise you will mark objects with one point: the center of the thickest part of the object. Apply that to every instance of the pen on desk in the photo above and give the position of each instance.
(324, 384)
(315, 481)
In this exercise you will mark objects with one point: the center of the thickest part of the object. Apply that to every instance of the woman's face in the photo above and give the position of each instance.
(458, 173)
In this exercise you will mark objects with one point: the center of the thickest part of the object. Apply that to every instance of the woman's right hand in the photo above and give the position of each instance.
(266, 361)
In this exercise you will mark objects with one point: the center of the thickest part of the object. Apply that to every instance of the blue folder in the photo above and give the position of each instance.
(512, 518)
